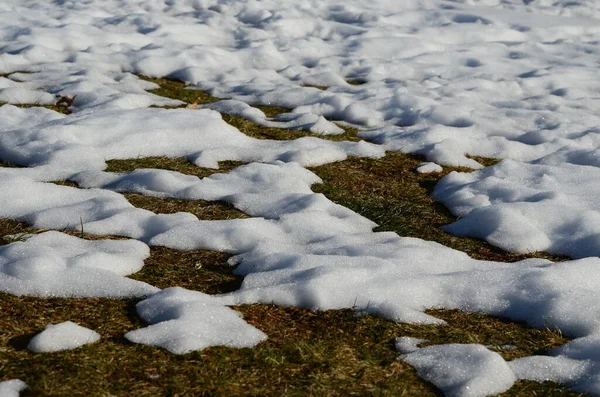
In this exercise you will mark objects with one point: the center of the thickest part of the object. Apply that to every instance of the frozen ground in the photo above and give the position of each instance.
(509, 79)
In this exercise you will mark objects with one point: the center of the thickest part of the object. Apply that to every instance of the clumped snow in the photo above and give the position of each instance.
(63, 336)
(54, 264)
(427, 168)
(472, 370)
(447, 80)
(523, 207)
(183, 321)
(12, 388)
(462, 370)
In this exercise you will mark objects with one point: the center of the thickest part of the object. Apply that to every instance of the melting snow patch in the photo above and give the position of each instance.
(427, 168)
(63, 336)
(407, 344)
(545, 368)
(527, 207)
(54, 264)
(462, 370)
(12, 388)
(184, 321)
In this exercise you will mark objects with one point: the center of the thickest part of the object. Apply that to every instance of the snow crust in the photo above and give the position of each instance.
(508, 79)
(63, 336)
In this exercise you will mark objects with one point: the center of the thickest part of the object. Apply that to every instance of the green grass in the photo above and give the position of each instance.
(332, 353)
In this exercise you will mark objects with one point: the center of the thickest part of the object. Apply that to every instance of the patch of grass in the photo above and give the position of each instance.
(178, 90)
(308, 353)
(175, 89)
(171, 164)
(508, 338)
(389, 192)
(59, 109)
(200, 270)
(212, 210)
(12, 231)
(65, 183)
(318, 87)
(485, 161)
(14, 78)
(272, 111)
(259, 132)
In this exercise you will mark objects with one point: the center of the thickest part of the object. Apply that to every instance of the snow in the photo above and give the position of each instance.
(446, 80)
(524, 207)
(64, 147)
(183, 321)
(543, 368)
(63, 336)
(407, 344)
(302, 121)
(11, 388)
(54, 264)
(462, 370)
(427, 168)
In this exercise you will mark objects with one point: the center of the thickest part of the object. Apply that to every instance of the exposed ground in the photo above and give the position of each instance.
(307, 353)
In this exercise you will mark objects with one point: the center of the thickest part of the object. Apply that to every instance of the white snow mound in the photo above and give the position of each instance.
(183, 321)
(63, 336)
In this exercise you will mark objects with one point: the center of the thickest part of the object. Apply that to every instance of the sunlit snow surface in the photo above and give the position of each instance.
(11, 388)
(63, 336)
(510, 79)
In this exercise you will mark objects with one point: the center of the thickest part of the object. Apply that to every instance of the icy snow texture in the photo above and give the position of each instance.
(11, 388)
(462, 370)
(54, 264)
(184, 321)
(483, 78)
(63, 336)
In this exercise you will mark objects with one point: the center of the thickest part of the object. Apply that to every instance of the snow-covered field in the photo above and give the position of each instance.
(510, 79)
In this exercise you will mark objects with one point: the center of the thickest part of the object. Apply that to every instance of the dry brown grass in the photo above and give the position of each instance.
(332, 353)
(390, 192)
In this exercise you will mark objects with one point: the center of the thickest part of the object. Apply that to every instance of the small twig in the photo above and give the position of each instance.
(194, 104)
